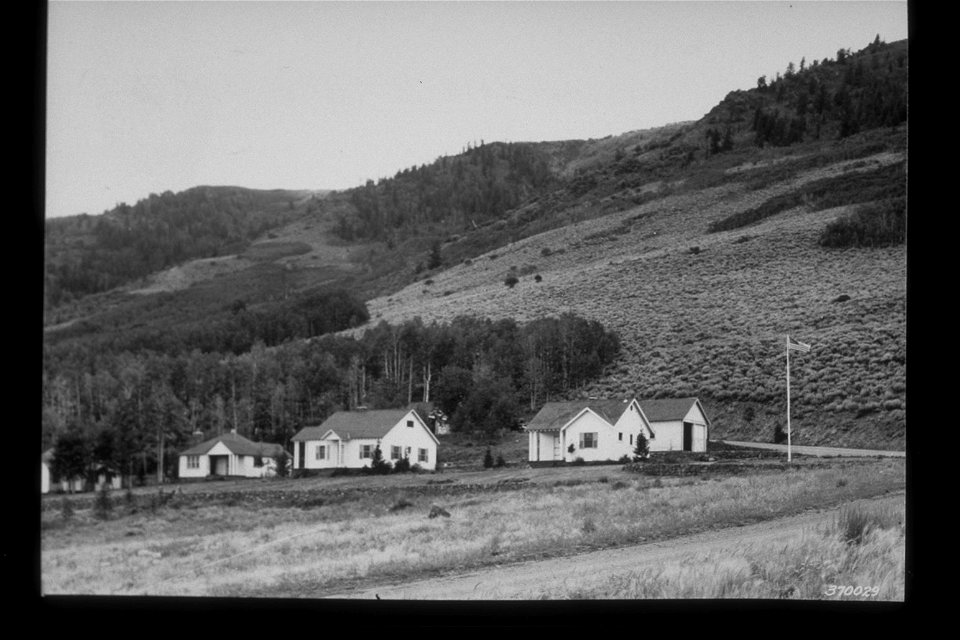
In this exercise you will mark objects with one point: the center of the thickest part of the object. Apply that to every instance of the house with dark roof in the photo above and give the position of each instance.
(678, 424)
(347, 439)
(589, 429)
(230, 454)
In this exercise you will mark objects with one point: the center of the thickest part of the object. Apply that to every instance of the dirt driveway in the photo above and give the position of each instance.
(529, 579)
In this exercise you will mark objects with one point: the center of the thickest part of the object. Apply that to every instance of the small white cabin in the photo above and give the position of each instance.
(230, 454)
(591, 430)
(347, 439)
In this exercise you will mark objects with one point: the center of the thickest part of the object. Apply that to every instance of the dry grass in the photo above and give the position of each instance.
(821, 564)
(233, 550)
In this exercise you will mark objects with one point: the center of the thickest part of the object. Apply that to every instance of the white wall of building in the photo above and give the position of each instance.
(607, 445)
(346, 453)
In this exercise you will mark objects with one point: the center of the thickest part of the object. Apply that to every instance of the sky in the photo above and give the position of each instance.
(151, 96)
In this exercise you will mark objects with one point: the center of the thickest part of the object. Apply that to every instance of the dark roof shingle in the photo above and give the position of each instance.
(667, 409)
(351, 425)
(554, 415)
(237, 445)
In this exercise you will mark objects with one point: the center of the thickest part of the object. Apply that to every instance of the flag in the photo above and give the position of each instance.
(799, 346)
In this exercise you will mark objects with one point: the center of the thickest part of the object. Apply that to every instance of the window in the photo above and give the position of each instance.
(620, 436)
(410, 423)
(366, 451)
(193, 462)
(631, 438)
(321, 452)
(394, 453)
(588, 440)
(422, 457)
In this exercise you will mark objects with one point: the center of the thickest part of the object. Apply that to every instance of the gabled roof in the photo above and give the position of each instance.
(237, 445)
(669, 409)
(555, 415)
(352, 425)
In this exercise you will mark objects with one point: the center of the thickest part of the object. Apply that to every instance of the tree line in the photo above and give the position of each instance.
(134, 412)
(841, 97)
(462, 191)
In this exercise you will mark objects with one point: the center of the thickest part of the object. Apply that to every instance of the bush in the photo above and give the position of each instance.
(402, 465)
(500, 461)
(488, 460)
(103, 505)
(779, 435)
(642, 450)
(873, 225)
(282, 465)
(511, 281)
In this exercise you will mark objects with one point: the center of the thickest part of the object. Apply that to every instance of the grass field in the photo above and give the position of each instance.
(363, 530)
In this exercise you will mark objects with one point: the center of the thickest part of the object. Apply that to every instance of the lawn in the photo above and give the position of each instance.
(362, 530)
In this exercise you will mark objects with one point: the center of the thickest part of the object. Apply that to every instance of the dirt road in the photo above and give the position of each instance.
(530, 579)
(821, 451)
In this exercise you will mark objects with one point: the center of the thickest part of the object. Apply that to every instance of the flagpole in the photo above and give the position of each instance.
(788, 400)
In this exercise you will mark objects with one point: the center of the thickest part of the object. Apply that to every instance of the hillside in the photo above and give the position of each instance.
(701, 244)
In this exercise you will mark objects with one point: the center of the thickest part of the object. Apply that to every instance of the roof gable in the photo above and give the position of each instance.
(365, 425)
(237, 445)
(554, 416)
(670, 409)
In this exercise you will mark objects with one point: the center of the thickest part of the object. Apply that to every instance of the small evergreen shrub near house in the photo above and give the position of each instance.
(642, 449)
(103, 505)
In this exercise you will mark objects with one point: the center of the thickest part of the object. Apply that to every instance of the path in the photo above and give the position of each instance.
(820, 451)
(529, 579)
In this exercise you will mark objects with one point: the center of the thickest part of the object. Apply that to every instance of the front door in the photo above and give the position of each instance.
(688, 436)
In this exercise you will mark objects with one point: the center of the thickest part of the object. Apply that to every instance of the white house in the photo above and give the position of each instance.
(678, 424)
(590, 430)
(349, 438)
(105, 477)
(230, 454)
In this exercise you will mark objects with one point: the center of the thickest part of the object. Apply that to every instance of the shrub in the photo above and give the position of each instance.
(511, 281)
(873, 225)
(642, 450)
(103, 505)
(579, 461)
(282, 468)
(779, 435)
(545, 252)
(400, 504)
(588, 526)
(488, 460)
(402, 465)
(538, 278)
(500, 461)
(379, 466)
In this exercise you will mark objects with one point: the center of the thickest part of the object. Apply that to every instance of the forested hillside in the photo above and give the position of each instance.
(88, 254)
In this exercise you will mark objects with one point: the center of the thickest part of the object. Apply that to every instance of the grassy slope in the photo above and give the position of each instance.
(712, 322)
